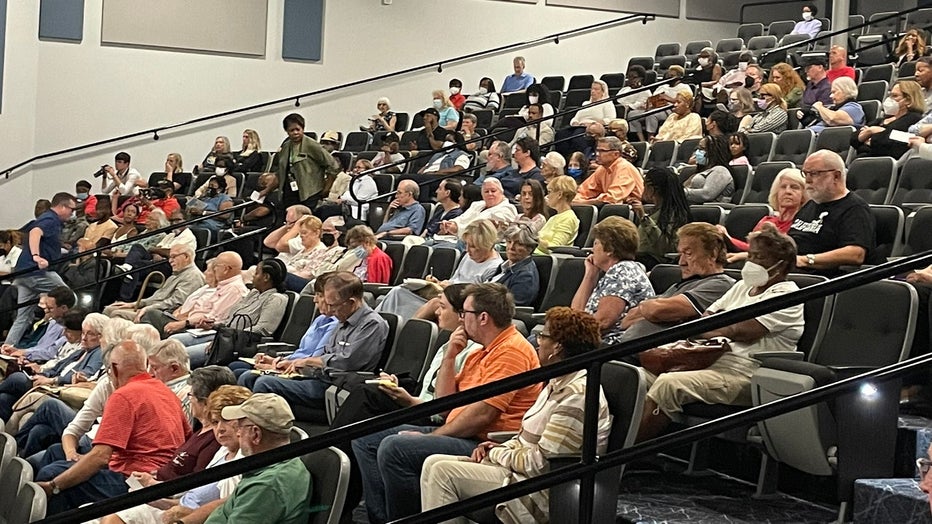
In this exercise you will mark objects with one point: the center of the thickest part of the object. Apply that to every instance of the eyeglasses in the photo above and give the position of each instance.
(604, 150)
(464, 312)
(817, 172)
(923, 465)
(338, 304)
(176, 255)
(543, 334)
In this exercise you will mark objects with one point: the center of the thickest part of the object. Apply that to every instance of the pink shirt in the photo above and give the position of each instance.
(228, 293)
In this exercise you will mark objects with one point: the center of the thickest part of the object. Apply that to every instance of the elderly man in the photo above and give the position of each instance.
(141, 428)
(277, 493)
(756, 74)
(355, 345)
(139, 256)
(57, 302)
(702, 251)
(838, 64)
(391, 460)
(449, 161)
(185, 278)
(286, 240)
(494, 206)
(835, 228)
(615, 181)
(818, 87)
(228, 270)
(519, 81)
(405, 214)
(497, 162)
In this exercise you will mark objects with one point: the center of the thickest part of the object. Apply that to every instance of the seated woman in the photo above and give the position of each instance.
(127, 227)
(791, 85)
(221, 148)
(715, 182)
(248, 159)
(552, 165)
(738, 146)
(647, 127)
(223, 166)
(903, 107)
(384, 120)
(741, 103)
(589, 113)
(484, 98)
(548, 428)
(364, 188)
(174, 173)
(682, 124)
(215, 199)
(845, 110)
(707, 72)
(563, 226)
(534, 94)
(449, 117)
(155, 221)
(657, 231)
(577, 166)
(306, 264)
(363, 257)
(518, 272)
(787, 195)
(773, 118)
(613, 282)
(263, 306)
(809, 25)
(531, 199)
(772, 256)
(478, 265)
(910, 48)
(225, 433)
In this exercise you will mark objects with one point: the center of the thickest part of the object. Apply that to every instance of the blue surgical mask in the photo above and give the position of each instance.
(700, 157)
(81, 196)
(574, 171)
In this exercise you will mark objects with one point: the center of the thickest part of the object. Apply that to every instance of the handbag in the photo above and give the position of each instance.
(232, 341)
(684, 355)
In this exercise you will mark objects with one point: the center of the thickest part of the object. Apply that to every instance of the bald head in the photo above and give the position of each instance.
(127, 360)
(227, 265)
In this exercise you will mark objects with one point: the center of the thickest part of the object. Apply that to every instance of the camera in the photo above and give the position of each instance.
(152, 193)
(101, 172)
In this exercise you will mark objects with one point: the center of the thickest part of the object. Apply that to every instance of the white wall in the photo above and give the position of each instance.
(81, 93)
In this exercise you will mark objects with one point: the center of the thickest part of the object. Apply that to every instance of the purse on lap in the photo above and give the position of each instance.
(684, 355)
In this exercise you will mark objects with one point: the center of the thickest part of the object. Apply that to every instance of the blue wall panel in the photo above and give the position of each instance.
(303, 34)
(61, 20)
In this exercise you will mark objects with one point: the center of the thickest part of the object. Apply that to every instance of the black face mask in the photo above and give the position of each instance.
(212, 191)
(328, 239)
(3, 252)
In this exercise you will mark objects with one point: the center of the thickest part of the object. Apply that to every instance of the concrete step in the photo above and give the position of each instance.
(884, 501)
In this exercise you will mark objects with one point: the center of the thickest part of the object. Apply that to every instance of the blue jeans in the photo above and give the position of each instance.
(56, 453)
(28, 288)
(295, 283)
(46, 424)
(11, 389)
(196, 347)
(294, 391)
(103, 485)
(390, 465)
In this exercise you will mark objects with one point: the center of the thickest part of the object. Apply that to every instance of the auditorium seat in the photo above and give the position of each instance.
(750, 30)
(780, 28)
(759, 183)
(553, 83)
(889, 225)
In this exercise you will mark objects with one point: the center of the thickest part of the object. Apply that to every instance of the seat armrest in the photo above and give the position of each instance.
(789, 355)
(372, 287)
(528, 310)
(276, 348)
(843, 372)
(563, 460)
(501, 436)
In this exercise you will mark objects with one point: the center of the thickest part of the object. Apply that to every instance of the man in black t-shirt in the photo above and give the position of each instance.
(835, 228)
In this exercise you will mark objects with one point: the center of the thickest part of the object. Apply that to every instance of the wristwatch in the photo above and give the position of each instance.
(55, 489)
(810, 259)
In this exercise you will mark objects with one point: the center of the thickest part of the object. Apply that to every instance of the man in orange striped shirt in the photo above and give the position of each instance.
(390, 461)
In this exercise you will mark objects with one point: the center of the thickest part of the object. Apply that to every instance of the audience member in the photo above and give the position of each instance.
(121, 176)
(231, 289)
(518, 272)
(924, 77)
(838, 64)
(248, 159)
(549, 428)
(636, 103)
(727, 381)
(388, 155)
(707, 71)
(450, 157)
(456, 96)
(484, 98)
(526, 153)
(664, 95)
(449, 117)
(82, 194)
(657, 231)
(531, 200)
(185, 278)
(352, 201)
(213, 201)
(738, 146)
(845, 110)
(613, 282)
(541, 132)
(910, 48)
(384, 120)
(577, 166)
(56, 304)
(447, 196)
(835, 228)
(220, 148)
(809, 25)
(902, 108)
(302, 165)
(552, 165)
(562, 227)
(498, 163)
(494, 206)
(286, 239)
(615, 180)
(740, 103)
(391, 460)
(363, 257)
(683, 124)
(718, 123)
(818, 86)
(519, 81)
(791, 85)
(714, 183)
(787, 196)
(405, 215)
(42, 205)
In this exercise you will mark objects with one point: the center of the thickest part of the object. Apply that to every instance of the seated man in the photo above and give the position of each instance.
(139, 256)
(356, 345)
(448, 206)
(141, 428)
(405, 214)
(702, 253)
(497, 162)
(392, 459)
(835, 228)
(185, 278)
(615, 181)
(771, 257)
(228, 270)
(277, 493)
(57, 302)
(448, 161)
(541, 132)
(286, 240)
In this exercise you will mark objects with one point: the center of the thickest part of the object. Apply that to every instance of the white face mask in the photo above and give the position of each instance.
(807, 16)
(742, 66)
(455, 90)
(890, 106)
(438, 103)
(483, 91)
(703, 61)
(533, 98)
(447, 144)
(220, 171)
(756, 275)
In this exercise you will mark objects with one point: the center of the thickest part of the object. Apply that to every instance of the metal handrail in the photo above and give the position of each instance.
(589, 360)
(438, 65)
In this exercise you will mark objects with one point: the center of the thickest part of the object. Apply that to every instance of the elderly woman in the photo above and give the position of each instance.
(518, 272)
(364, 188)
(248, 159)
(484, 98)
(449, 117)
(772, 256)
(773, 118)
(363, 257)
(552, 165)
(613, 282)
(903, 107)
(479, 264)
(306, 264)
(592, 113)
(647, 127)
(657, 231)
(221, 148)
(715, 182)
(563, 226)
(845, 110)
(791, 85)
(384, 120)
(551, 427)
(683, 124)
(787, 195)
(155, 221)
(225, 433)
(259, 311)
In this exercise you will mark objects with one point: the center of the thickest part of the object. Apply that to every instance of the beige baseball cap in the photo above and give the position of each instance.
(330, 136)
(266, 410)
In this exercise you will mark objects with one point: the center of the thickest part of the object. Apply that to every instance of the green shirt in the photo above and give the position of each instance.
(278, 493)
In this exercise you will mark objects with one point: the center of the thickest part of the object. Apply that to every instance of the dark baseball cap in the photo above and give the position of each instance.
(431, 111)
(811, 59)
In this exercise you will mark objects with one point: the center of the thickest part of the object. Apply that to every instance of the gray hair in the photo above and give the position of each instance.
(143, 334)
(206, 380)
(186, 249)
(611, 141)
(471, 117)
(846, 86)
(502, 149)
(831, 159)
(95, 321)
(523, 235)
(114, 332)
(384, 100)
(519, 59)
(300, 209)
(495, 182)
(160, 218)
(410, 186)
(171, 350)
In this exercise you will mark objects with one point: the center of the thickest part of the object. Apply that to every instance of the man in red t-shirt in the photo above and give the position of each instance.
(141, 428)
(838, 64)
